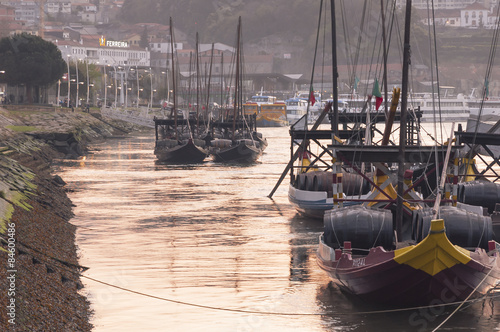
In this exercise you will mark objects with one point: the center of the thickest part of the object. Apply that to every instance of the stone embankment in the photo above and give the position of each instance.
(39, 270)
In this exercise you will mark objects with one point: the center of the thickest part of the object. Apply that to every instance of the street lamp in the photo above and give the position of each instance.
(58, 91)
(151, 80)
(116, 86)
(88, 86)
(77, 85)
(167, 85)
(5, 95)
(106, 86)
(120, 68)
(69, 83)
(138, 89)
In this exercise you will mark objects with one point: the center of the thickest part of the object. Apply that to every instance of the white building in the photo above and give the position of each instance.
(105, 52)
(448, 4)
(54, 7)
(162, 46)
(475, 16)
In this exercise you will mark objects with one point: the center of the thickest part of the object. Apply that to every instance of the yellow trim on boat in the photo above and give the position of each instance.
(306, 162)
(434, 254)
(341, 142)
(470, 174)
(389, 190)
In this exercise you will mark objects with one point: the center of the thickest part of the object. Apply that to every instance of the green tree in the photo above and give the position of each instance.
(30, 60)
(144, 42)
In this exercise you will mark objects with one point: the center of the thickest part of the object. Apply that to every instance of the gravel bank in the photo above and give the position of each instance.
(40, 289)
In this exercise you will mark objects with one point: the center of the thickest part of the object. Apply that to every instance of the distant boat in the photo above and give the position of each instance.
(272, 115)
(242, 151)
(267, 115)
(184, 149)
(446, 108)
(296, 108)
(237, 139)
(262, 99)
(177, 137)
(487, 110)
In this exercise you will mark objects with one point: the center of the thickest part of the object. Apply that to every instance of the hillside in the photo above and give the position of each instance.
(280, 27)
(217, 20)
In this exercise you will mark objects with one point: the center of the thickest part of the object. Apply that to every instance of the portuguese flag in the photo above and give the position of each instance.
(312, 99)
(378, 96)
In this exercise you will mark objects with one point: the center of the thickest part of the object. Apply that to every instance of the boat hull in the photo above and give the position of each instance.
(312, 204)
(434, 273)
(264, 122)
(182, 153)
(237, 153)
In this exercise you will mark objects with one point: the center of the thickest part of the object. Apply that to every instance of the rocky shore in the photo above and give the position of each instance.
(39, 274)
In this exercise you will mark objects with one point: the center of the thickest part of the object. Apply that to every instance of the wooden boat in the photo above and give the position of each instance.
(434, 271)
(394, 248)
(243, 144)
(177, 139)
(417, 263)
(311, 178)
(238, 140)
(172, 149)
(240, 151)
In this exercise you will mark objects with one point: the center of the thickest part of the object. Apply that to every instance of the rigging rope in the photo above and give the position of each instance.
(313, 67)
(491, 59)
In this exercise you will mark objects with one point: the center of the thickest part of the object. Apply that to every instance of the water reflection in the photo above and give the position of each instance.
(205, 234)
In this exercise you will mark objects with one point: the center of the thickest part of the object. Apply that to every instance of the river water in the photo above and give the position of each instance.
(202, 248)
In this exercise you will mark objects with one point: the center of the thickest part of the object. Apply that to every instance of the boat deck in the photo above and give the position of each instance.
(478, 138)
(391, 153)
(325, 134)
(374, 117)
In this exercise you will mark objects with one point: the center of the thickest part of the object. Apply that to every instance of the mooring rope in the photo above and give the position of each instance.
(66, 266)
(466, 299)
(282, 313)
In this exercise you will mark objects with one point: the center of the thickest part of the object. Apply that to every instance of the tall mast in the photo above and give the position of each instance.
(237, 81)
(335, 120)
(402, 132)
(384, 39)
(221, 81)
(209, 82)
(190, 91)
(174, 92)
(197, 83)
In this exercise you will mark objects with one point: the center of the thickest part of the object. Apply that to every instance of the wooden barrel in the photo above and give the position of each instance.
(463, 228)
(365, 227)
(221, 143)
(479, 193)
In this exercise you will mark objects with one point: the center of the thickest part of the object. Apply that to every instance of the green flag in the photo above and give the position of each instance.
(377, 94)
